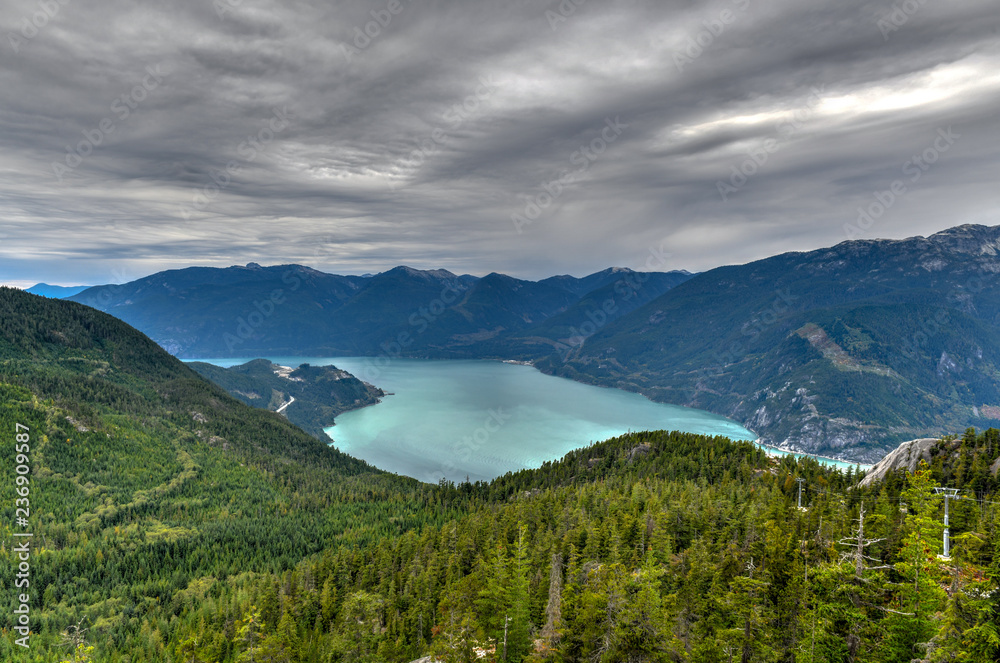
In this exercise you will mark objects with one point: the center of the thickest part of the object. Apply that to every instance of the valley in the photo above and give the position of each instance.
(841, 352)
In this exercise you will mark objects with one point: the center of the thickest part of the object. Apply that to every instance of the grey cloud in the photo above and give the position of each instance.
(348, 185)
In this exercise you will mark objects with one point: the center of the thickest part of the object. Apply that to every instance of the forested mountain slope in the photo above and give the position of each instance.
(651, 547)
(843, 351)
(209, 312)
(146, 479)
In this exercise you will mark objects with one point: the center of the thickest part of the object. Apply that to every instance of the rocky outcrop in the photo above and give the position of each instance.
(638, 451)
(906, 456)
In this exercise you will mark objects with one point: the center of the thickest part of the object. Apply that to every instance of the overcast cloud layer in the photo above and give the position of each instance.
(441, 140)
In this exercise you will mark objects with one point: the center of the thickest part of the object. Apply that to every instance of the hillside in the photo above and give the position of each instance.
(237, 311)
(147, 480)
(843, 351)
(174, 523)
(623, 292)
(308, 396)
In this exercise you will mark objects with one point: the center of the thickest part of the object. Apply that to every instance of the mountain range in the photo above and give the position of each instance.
(842, 351)
(291, 309)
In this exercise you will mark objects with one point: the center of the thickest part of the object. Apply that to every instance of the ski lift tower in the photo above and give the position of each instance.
(949, 494)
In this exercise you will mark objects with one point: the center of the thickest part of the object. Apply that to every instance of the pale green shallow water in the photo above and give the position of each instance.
(482, 419)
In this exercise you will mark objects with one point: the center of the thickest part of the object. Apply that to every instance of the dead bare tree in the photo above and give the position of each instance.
(859, 543)
(74, 636)
(553, 611)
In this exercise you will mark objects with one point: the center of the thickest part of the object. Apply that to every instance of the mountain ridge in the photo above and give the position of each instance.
(56, 291)
(201, 312)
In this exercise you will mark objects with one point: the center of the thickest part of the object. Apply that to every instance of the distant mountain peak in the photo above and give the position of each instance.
(424, 273)
(970, 238)
(56, 291)
(497, 276)
(968, 228)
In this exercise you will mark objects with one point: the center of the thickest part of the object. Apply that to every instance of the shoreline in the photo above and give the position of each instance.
(353, 409)
(771, 450)
(778, 451)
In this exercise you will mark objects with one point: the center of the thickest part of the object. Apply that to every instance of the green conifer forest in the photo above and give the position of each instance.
(174, 523)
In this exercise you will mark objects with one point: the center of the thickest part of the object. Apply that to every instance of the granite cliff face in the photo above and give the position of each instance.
(906, 456)
(970, 462)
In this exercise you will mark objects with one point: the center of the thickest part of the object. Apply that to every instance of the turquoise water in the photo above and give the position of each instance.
(481, 419)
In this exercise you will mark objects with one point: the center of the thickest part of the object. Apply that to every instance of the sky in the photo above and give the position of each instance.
(526, 137)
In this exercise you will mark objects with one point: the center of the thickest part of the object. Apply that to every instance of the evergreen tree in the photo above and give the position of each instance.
(360, 628)
(519, 630)
(493, 602)
(919, 599)
(249, 633)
